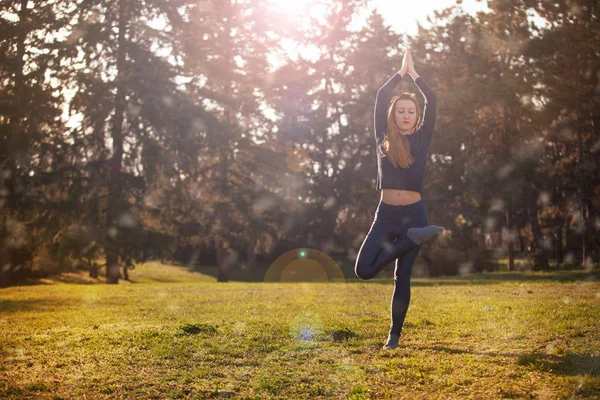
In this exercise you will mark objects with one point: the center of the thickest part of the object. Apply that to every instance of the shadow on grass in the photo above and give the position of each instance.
(487, 278)
(14, 306)
(257, 274)
(81, 277)
(566, 364)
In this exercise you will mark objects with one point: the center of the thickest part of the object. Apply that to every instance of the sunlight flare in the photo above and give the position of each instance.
(291, 6)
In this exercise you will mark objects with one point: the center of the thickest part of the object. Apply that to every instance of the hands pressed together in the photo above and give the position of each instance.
(408, 65)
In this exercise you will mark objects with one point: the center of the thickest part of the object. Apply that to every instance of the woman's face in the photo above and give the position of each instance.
(406, 115)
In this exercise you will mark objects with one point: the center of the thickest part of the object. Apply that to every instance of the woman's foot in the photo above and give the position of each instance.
(419, 235)
(392, 342)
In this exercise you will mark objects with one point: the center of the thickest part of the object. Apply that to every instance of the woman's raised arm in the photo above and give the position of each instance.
(384, 95)
(382, 102)
(430, 104)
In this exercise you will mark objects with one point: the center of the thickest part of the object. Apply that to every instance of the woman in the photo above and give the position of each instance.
(400, 223)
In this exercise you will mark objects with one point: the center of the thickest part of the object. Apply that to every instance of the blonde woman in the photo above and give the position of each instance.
(400, 225)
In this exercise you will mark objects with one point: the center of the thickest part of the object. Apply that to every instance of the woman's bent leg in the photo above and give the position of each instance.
(378, 241)
(378, 250)
(401, 247)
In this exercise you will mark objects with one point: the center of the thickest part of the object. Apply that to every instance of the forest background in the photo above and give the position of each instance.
(224, 134)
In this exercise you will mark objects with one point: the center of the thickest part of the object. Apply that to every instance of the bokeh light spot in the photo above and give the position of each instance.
(505, 171)
(329, 203)
(297, 159)
(127, 220)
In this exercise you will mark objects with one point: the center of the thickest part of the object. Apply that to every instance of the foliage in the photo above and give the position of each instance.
(136, 130)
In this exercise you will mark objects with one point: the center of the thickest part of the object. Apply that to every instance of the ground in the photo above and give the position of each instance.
(177, 334)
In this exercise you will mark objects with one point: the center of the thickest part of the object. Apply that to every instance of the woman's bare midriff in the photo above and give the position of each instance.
(397, 197)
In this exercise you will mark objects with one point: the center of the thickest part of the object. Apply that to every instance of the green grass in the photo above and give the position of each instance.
(175, 334)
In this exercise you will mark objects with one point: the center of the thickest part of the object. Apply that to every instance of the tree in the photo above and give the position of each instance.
(116, 85)
(565, 56)
(30, 125)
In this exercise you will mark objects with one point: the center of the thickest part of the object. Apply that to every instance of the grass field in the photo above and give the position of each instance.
(176, 334)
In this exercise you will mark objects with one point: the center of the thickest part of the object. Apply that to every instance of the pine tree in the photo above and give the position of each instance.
(30, 126)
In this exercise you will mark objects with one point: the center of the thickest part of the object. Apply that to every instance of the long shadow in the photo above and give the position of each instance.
(487, 278)
(258, 273)
(14, 306)
(567, 364)
(38, 281)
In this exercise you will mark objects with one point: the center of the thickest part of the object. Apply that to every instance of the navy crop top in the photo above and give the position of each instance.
(411, 178)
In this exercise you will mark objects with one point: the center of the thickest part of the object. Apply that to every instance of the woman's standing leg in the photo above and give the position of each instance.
(413, 216)
(401, 296)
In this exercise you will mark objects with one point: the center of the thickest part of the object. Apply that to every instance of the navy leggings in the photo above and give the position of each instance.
(387, 241)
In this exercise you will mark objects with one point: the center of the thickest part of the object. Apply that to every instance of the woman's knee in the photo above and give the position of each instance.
(364, 272)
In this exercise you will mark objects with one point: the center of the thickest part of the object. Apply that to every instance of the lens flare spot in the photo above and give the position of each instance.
(465, 268)
(134, 110)
(127, 220)
(167, 101)
(303, 271)
(206, 6)
(497, 205)
(297, 159)
(588, 264)
(306, 327)
(329, 203)
(569, 258)
(545, 198)
(239, 328)
(263, 204)
(304, 265)
(490, 223)
(505, 171)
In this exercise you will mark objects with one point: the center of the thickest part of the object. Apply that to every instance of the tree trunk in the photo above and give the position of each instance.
(250, 253)
(510, 234)
(540, 253)
(114, 201)
(573, 243)
(224, 221)
(521, 241)
(222, 262)
(559, 237)
(506, 150)
(5, 275)
(560, 252)
(93, 268)
(223, 211)
(9, 165)
(582, 198)
(126, 271)
(593, 211)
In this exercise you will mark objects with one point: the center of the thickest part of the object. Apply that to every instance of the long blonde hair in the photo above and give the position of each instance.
(396, 146)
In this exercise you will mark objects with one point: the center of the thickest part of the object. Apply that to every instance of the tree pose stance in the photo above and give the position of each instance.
(400, 225)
